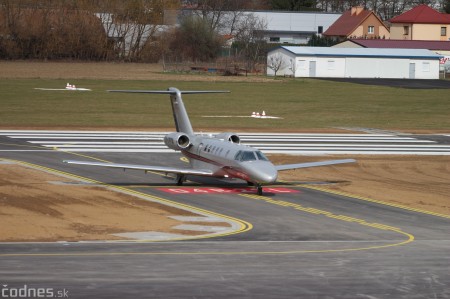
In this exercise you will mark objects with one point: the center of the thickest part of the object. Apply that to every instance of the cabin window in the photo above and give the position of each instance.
(274, 39)
(320, 29)
(426, 66)
(443, 31)
(261, 156)
(371, 29)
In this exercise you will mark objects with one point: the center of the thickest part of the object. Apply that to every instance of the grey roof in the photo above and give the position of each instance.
(361, 52)
(296, 21)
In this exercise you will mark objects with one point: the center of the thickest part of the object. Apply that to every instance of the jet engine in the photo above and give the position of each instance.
(177, 141)
(231, 137)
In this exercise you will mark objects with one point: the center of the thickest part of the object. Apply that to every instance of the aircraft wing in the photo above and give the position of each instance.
(163, 169)
(313, 164)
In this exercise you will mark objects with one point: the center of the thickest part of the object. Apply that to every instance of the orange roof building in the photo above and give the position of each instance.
(421, 23)
(358, 23)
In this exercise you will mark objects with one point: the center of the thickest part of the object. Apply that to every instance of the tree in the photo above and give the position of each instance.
(133, 25)
(446, 6)
(321, 41)
(76, 28)
(38, 30)
(275, 62)
(220, 15)
(293, 5)
(250, 39)
(196, 40)
(293, 66)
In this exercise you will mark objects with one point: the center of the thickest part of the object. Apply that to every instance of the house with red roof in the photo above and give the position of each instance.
(358, 23)
(421, 23)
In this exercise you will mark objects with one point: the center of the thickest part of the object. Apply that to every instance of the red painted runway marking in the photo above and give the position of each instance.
(214, 190)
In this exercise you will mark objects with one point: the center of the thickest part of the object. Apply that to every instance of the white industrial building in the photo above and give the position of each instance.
(294, 27)
(281, 27)
(328, 62)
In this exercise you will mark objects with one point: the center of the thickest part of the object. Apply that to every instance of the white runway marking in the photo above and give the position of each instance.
(287, 143)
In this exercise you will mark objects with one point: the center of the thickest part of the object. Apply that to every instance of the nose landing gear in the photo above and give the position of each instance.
(259, 189)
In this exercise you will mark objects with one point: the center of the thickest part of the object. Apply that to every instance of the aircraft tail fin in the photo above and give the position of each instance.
(181, 118)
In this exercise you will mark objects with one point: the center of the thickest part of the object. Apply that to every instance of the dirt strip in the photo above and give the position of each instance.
(420, 182)
(38, 206)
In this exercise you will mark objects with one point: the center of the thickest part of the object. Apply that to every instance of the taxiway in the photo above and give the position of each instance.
(305, 244)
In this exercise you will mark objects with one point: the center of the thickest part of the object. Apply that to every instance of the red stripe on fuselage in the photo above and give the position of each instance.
(232, 172)
(200, 158)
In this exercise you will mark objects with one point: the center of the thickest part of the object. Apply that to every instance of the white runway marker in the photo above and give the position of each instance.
(284, 143)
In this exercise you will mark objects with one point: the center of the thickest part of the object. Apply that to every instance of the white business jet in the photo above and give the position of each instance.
(219, 156)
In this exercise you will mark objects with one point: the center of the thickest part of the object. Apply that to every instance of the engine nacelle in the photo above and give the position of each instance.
(177, 141)
(231, 137)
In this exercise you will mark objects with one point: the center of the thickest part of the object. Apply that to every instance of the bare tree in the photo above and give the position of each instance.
(219, 14)
(293, 66)
(275, 62)
(131, 24)
(76, 28)
(250, 39)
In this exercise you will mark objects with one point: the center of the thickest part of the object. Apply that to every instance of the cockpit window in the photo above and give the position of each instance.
(244, 156)
(261, 156)
(238, 156)
(248, 156)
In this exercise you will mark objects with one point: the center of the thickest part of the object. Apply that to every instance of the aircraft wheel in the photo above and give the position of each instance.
(180, 180)
(259, 190)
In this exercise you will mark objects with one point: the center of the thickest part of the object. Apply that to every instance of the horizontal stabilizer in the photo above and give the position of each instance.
(171, 92)
(162, 169)
(313, 164)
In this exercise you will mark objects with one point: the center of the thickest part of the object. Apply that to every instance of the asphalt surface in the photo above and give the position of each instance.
(308, 244)
(401, 83)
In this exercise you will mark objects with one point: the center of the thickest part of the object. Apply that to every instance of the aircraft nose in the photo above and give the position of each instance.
(263, 172)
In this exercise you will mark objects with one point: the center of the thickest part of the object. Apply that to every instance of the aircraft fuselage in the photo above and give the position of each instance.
(230, 160)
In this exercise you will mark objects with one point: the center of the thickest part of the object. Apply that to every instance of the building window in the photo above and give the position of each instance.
(331, 64)
(405, 30)
(426, 66)
(371, 30)
(274, 39)
(320, 29)
(302, 64)
(443, 31)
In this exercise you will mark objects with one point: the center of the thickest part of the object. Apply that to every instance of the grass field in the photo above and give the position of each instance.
(302, 103)
(308, 105)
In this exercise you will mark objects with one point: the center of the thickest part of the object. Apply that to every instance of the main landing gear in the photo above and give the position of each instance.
(180, 179)
(258, 187)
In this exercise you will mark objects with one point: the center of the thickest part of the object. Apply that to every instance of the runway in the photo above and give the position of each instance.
(305, 244)
(288, 143)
